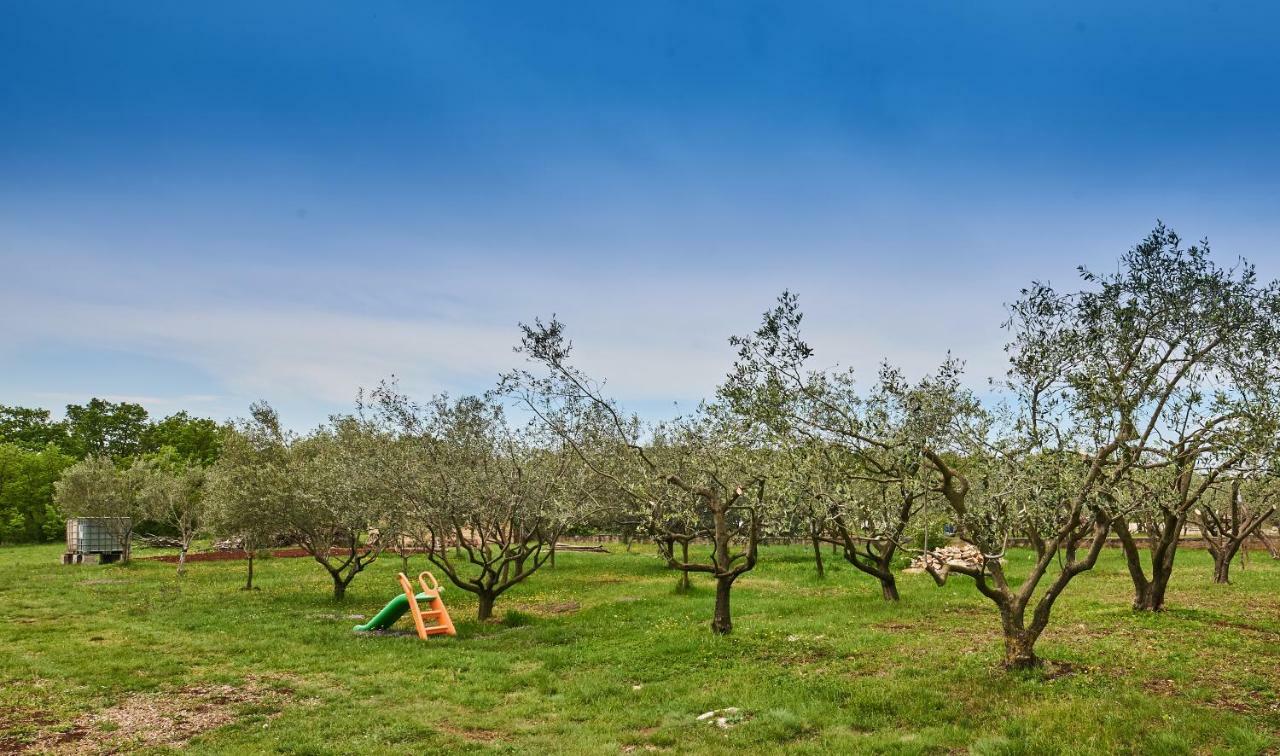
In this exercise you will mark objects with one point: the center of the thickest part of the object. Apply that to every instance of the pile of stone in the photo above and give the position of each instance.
(961, 554)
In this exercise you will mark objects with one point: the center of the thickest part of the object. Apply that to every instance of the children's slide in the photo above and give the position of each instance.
(393, 611)
(434, 620)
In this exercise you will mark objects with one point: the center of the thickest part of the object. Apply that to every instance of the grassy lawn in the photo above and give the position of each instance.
(600, 655)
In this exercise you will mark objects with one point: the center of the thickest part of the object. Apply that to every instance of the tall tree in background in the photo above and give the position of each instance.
(98, 428)
(194, 439)
(27, 478)
(31, 428)
(103, 428)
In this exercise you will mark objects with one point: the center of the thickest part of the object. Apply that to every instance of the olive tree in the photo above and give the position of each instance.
(711, 461)
(341, 496)
(1179, 359)
(1021, 471)
(326, 491)
(1232, 513)
(858, 454)
(496, 497)
(1136, 392)
(247, 489)
(170, 491)
(802, 510)
(96, 487)
(712, 489)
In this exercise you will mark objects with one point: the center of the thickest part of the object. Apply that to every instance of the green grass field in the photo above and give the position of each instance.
(601, 655)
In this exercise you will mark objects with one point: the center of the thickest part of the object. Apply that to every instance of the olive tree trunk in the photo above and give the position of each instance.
(248, 583)
(722, 620)
(1222, 567)
(817, 553)
(1149, 592)
(484, 607)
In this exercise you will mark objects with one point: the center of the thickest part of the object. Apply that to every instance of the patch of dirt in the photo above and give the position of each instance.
(1234, 704)
(1052, 670)
(1225, 697)
(227, 556)
(470, 734)
(558, 607)
(1247, 628)
(12, 719)
(1163, 687)
(149, 720)
(389, 633)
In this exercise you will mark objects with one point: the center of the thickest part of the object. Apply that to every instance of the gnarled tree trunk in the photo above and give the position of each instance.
(1019, 641)
(1222, 567)
(484, 609)
(875, 560)
(1149, 592)
(1150, 596)
(340, 583)
(722, 621)
(1226, 533)
(1020, 636)
(889, 589)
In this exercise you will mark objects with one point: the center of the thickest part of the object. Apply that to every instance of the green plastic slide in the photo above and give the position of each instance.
(393, 611)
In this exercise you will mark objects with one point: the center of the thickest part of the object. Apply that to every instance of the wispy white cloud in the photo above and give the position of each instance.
(309, 334)
(655, 339)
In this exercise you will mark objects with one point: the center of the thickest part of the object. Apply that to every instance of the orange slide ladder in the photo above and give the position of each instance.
(436, 612)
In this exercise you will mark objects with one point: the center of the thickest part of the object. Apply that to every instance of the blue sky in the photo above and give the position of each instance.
(203, 204)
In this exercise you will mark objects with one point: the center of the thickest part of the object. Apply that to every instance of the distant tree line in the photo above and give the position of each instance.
(36, 449)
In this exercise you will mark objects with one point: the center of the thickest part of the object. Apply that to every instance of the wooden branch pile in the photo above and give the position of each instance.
(158, 541)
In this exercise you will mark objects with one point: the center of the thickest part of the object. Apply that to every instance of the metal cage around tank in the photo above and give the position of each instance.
(107, 538)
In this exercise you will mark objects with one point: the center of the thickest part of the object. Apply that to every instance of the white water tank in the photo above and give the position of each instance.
(103, 538)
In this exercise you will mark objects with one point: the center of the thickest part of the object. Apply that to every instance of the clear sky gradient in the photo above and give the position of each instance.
(203, 204)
